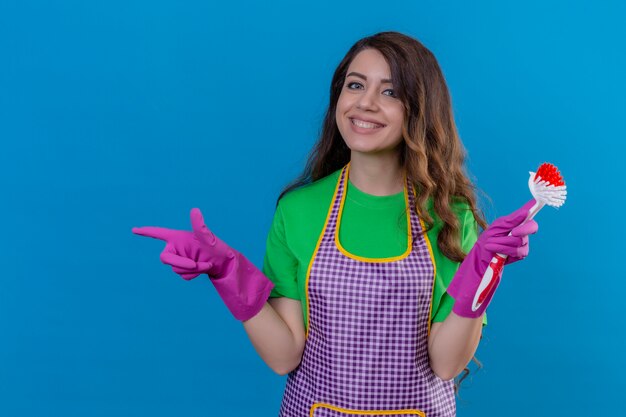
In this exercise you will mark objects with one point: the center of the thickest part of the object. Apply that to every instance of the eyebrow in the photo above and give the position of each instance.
(357, 74)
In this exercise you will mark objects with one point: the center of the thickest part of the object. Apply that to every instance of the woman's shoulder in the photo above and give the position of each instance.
(312, 196)
(459, 206)
(303, 212)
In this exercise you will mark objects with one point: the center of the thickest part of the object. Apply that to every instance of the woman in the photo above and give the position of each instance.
(362, 300)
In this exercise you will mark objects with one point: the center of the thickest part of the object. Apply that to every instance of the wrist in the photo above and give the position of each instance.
(243, 288)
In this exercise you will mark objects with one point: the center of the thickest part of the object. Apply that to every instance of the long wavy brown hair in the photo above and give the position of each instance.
(431, 154)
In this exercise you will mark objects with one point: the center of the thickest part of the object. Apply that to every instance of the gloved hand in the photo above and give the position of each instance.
(242, 286)
(495, 239)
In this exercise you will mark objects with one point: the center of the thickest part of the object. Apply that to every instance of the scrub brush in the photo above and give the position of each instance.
(548, 188)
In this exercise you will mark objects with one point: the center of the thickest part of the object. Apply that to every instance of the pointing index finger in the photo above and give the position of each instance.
(154, 232)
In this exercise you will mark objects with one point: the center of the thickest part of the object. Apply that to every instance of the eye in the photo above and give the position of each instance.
(351, 85)
(391, 93)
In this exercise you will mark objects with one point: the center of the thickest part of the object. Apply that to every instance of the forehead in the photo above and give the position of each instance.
(370, 62)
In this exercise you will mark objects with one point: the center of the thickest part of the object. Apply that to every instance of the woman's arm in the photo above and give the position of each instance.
(452, 344)
(277, 334)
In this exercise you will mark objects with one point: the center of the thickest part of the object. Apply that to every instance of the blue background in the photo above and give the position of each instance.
(129, 113)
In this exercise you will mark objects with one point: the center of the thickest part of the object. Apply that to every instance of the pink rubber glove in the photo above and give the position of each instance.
(242, 286)
(493, 240)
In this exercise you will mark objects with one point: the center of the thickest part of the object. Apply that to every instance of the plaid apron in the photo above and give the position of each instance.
(366, 352)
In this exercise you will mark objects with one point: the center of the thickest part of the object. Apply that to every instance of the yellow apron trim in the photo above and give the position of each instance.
(317, 246)
(366, 412)
(362, 258)
(432, 260)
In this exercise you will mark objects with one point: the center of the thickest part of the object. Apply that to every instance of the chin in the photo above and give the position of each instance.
(362, 147)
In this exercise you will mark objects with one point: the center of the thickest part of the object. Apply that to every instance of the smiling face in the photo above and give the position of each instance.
(369, 115)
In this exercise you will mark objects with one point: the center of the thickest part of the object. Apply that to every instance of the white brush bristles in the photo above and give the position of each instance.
(546, 193)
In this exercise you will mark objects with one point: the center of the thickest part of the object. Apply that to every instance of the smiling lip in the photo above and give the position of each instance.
(366, 120)
(365, 130)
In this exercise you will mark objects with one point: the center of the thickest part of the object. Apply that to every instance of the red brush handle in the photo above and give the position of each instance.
(496, 265)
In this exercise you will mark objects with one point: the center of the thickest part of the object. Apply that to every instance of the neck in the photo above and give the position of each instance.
(378, 175)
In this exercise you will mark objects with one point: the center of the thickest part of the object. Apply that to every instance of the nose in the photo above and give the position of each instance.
(368, 100)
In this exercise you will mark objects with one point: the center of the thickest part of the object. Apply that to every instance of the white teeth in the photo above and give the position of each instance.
(365, 125)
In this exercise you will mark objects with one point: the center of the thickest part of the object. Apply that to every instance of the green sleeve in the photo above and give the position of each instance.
(469, 235)
(445, 307)
(279, 264)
